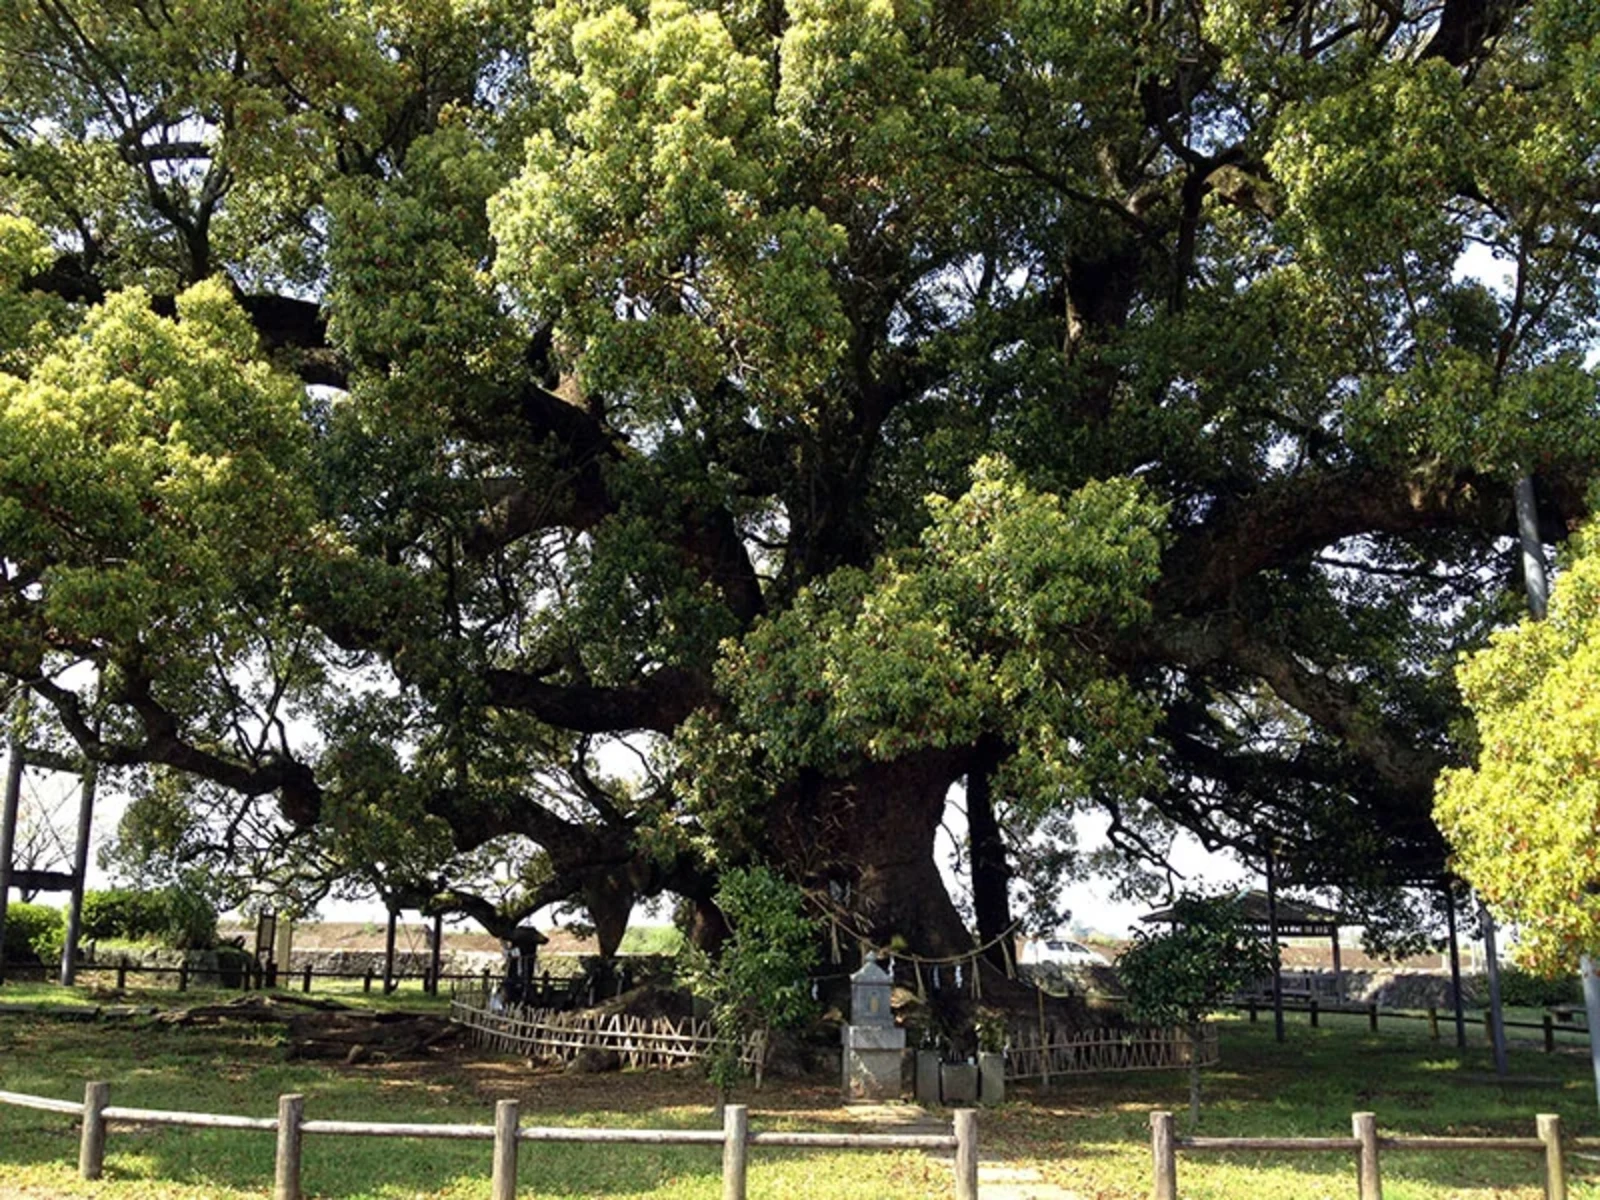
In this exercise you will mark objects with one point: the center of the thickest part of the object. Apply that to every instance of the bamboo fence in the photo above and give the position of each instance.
(1034, 1056)
(549, 1033)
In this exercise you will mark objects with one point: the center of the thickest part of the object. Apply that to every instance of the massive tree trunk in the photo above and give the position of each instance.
(991, 872)
(870, 840)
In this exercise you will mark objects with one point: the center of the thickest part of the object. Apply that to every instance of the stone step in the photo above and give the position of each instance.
(1002, 1181)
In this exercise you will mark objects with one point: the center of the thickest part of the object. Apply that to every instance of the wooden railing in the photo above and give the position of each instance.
(1554, 1021)
(1365, 1144)
(507, 1133)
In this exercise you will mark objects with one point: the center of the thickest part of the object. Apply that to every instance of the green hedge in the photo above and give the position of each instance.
(34, 933)
(173, 917)
(1523, 989)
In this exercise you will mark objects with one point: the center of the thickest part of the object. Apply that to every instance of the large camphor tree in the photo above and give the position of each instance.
(411, 409)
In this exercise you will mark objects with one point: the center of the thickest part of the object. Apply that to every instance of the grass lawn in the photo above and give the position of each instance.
(410, 997)
(1088, 1135)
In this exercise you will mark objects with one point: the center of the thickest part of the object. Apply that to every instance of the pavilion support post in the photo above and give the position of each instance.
(1338, 975)
(80, 866)
(8, 829)
(1497, 1023)
(1277, 958)
(388, 953)
(1455, 966)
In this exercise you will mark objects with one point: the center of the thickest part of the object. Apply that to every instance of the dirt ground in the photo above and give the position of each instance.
(551, 1089)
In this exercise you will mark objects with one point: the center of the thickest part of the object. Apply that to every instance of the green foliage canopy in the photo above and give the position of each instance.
(1523, 818)
(408, 409)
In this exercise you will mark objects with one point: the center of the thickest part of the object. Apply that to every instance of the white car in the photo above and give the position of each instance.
(1062, 951)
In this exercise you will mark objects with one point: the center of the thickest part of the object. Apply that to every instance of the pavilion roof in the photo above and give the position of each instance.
(1296, 918)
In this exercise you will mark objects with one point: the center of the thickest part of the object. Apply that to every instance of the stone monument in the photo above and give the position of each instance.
(874, 1046)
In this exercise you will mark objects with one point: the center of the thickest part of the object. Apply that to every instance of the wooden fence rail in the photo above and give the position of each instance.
(735, 1137)
(247, 976)
(1365, 1144)
(1557, 1020)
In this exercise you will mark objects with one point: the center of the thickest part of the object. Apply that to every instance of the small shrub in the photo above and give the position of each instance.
(34, 933)
(232, 963)
(191, 920)
(759, 979)
(175, 917)
(1524, 989)
(120, 914)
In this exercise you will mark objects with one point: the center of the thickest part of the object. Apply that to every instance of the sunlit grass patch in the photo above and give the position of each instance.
(1088, 1134)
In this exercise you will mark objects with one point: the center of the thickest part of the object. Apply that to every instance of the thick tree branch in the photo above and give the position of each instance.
(1290, 518)
(1467, 26)
(299, 795)
(659, 703)
(1335, 705)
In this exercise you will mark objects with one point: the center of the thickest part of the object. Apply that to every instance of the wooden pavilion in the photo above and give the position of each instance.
(1271, 916)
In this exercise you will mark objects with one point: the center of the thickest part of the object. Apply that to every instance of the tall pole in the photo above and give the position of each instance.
(436, 953)
(1455, 966)
(1277, 959)
(388, 951)
(1497, 1025)
(80, 866)
(8, 829)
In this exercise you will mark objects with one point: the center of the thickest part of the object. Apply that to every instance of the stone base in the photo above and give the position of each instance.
(927, 1091)
(958, 1083)
(872, 1074)
(992, 1078)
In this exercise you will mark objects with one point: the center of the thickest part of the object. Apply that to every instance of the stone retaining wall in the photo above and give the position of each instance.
(1395, 987)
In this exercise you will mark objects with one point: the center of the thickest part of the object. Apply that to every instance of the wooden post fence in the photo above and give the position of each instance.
(1555, 1170)
(92, 1143)
(1364, 1127)
(503, 1182)
(966, 1131)
(735, 1151)
(1365, 1143)
(291, 1128)
(1164, 1153)
(286, 1166)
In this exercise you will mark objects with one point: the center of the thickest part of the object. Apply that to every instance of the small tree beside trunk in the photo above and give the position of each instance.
(758, 980)
(1183, 974)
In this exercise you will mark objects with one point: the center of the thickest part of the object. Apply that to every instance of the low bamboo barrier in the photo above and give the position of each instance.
(550, 1033)
(1365, 1144)
(1092, 1051)
(98, 1114)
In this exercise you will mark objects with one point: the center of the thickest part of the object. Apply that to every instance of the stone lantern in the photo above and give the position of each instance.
(874, 1046)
